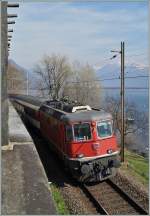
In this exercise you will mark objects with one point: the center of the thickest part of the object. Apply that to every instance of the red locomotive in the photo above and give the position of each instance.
(82, 136)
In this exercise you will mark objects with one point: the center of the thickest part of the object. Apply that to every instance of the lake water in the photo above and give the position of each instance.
(141, 99)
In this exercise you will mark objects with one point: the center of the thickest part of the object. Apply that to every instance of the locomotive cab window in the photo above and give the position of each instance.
(82, 131)
(104, 129)
(69, 134)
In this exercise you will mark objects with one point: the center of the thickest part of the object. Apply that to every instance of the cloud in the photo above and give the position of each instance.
(80, 33)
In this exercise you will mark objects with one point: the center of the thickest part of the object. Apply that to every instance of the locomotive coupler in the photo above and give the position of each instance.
(97, 168)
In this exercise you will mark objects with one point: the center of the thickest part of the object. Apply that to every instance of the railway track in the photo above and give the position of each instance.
(106, 197)
(109, 199)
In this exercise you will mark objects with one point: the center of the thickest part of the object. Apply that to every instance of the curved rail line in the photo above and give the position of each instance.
(109, 199)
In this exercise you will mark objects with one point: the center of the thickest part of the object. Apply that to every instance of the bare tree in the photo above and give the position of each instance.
(53, 71)
(82, 87)
(135, 120)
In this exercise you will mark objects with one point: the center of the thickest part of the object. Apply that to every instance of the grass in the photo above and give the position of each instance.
(137, 166)
(59, 201)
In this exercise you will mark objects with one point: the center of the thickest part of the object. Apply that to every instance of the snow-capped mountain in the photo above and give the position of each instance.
(139, 74)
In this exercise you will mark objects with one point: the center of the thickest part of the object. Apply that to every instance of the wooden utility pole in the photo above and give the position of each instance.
(122, 101)
(122, 93)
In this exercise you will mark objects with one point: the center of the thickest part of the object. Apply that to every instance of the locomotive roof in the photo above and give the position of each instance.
(91, 115)
(88, 115)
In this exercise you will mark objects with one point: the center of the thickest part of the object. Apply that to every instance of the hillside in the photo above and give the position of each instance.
(16, 78)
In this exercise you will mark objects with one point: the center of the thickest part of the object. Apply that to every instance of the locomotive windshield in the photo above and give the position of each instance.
(104, 129)
(69, 134)
(82, 131)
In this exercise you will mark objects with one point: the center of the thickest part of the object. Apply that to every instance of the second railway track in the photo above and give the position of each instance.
(109, 199)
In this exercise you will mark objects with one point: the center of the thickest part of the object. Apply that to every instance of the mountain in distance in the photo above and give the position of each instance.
(18, 67)
(136, 89)
(111, 71)
(27, 73)
(106, 72)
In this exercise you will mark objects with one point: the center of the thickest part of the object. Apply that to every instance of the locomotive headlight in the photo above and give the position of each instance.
(109, 151)
(80, 155)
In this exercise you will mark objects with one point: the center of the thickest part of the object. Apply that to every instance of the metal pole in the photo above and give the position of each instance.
(122, 101)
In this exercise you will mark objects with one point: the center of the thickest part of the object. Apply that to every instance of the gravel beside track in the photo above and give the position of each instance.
(77, 202)
(134, 189)
(112, 200)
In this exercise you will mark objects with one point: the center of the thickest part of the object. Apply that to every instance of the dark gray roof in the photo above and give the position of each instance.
(92, 115)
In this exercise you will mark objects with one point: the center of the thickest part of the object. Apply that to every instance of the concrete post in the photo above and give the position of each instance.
(3, 73)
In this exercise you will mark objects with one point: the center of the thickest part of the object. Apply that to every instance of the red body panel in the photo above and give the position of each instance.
(88, 150)
(54, 130)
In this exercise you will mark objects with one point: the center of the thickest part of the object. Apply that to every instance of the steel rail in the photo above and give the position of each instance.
(100, 209)
(130, 200)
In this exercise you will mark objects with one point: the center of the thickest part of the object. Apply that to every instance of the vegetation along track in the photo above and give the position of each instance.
(109, 199)
(106, 197)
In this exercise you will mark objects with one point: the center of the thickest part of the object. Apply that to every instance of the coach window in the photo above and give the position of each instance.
(69, 134)
(82, 131)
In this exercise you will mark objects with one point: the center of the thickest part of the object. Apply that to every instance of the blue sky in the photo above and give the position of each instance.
(83, 31)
